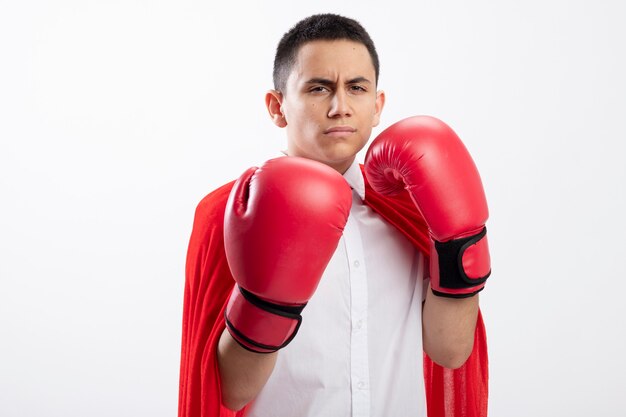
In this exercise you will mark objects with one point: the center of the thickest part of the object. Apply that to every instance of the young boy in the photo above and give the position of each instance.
(306, 297)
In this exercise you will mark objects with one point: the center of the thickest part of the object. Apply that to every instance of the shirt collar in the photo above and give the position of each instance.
(354, 177)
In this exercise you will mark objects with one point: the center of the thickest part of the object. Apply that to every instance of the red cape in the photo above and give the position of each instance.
(449, 393)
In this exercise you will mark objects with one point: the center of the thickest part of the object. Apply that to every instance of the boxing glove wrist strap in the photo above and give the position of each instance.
(259, 325)
(279, 310)
(461, 265)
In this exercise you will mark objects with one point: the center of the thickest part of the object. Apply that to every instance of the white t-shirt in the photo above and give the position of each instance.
(359, 349)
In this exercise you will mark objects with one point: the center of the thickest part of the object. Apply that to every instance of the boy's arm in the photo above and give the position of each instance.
(282, 224)
(448, 326)
(243, 373)
(424, 156)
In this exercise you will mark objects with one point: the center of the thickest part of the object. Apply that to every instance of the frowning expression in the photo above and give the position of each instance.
(330, 103)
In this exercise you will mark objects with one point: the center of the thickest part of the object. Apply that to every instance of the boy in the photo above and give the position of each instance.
(347, 338)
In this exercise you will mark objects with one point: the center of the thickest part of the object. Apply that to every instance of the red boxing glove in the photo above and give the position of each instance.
(282, 224)
(424, 156)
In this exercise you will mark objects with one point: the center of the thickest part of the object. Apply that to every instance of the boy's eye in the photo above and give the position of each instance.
(357, 88)
(318, 89)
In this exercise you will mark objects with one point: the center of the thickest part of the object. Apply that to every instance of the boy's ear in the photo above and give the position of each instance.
(380, 103)
(274, 103)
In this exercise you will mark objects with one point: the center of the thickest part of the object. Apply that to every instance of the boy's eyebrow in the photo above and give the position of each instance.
(323, 81)
(326, 81)
(359, 80)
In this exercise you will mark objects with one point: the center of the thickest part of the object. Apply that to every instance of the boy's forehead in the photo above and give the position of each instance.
(327, 57)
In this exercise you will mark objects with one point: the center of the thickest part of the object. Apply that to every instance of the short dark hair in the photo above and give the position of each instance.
(325, 26)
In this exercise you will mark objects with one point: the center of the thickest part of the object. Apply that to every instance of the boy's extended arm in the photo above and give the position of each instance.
(243, 373)
(282, 224)
(448, 326)
(424, 156)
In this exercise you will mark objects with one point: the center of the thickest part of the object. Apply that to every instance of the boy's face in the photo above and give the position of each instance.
(330, 104)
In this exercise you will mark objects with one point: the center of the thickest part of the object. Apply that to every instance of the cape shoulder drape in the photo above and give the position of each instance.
(449, 393)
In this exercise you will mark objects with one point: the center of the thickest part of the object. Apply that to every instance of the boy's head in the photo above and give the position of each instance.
(326, 97)
(318, 27)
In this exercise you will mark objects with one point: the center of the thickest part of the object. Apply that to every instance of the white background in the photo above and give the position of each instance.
(117, 117)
